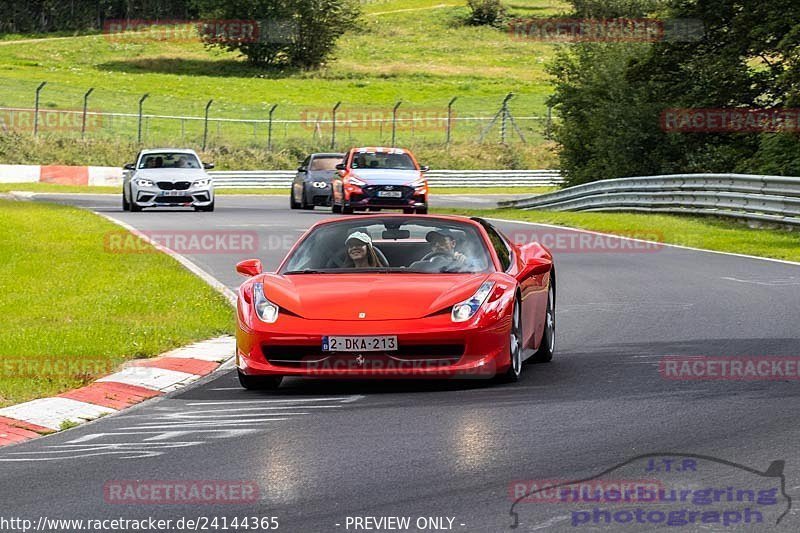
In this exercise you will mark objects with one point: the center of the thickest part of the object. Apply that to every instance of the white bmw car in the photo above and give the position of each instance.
(167, 177)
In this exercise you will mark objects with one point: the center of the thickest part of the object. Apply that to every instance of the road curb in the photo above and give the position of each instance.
(135, 382)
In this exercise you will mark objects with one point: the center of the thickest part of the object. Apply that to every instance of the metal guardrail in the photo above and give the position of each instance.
(763, 198)
(282, 179)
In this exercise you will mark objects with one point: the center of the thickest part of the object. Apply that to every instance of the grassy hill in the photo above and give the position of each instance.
(417, 51)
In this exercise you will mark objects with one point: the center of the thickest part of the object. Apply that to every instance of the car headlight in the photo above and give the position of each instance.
(418, 184)
(266, 311)
(320, 184)
(352, 180)
(202, 183)
(144, 183)
(465, 310)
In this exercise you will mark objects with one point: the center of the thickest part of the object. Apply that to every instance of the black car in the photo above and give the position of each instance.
(312, 184)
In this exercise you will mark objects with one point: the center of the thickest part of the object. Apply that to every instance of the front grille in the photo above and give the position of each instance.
(177, 186)
(409, 356)
(371, 191)
(174, 199)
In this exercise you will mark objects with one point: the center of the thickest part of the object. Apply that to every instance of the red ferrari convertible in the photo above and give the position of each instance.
(397, 296)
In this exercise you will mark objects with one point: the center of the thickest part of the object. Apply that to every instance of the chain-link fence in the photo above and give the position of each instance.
(154, 119)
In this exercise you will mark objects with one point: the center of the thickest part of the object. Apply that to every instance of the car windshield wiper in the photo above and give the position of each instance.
(305, 271)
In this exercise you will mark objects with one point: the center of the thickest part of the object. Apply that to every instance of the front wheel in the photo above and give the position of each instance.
(126, 206)
(546, 349)
(514, 347)
(304, 204)
(347, 210)
(292, 203)
(335, 208)
(259, 382)
(422, 210)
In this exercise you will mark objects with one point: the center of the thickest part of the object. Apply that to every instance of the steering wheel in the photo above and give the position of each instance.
(430, 256)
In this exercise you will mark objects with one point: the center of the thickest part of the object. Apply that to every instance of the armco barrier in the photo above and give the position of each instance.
(280, 179)
(273, 179)
(764, 198)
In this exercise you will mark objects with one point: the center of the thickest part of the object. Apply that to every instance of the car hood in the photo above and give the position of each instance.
(321, 175)
(171, 174)
(378, 296)
(386, 177)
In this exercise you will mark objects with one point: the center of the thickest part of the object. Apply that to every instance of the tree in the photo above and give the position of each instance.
(297, 33)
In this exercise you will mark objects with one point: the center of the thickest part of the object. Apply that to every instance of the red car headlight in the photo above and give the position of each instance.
(266, 311)
(465, 310)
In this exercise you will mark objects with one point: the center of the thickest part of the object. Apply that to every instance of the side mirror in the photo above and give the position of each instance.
(424, 168)
(340, 166)
(537, 267)
(301, 169)
(249, 268)
(129, 166)
(208, 166)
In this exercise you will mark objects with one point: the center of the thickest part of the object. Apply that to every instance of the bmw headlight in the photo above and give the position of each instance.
(144, 183)
(202, 183)
(465, 310)
(265, 310)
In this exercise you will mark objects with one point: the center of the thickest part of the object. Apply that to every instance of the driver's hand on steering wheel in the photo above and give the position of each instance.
(459, 258)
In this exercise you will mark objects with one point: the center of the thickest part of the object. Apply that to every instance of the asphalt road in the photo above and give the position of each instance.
(325, 452)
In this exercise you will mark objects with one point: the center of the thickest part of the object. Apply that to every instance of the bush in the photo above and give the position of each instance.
(486, 12)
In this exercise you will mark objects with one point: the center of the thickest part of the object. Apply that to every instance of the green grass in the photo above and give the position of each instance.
(405, 51)
(72, 311)
(697, 232)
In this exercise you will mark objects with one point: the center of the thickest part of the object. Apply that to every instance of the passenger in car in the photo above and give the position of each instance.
(360, 251)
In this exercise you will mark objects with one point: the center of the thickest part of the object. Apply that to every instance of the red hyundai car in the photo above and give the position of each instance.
(379, 178)
(397, 296)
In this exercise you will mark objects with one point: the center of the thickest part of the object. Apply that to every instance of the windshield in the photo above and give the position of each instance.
(325, 162)
(383, 160)
(418, 245)
(169, 160)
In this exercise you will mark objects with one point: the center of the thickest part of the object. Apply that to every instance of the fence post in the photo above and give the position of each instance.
(333, 129)
(36, 109)
(504, 110)
(269, 131)
(85, 106)
(205, 125)
(450, 118)
(394, 122)
(548, 131)
(141, 104)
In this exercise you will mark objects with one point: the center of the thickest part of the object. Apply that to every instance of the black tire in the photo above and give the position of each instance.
(408, 210)
(422, 210)
(347, 210)
(135, 208)
(547, 347)
(259, 382)
(305, 205)
(292, 203)
(126, 206)
(515, 352)
(335, 208)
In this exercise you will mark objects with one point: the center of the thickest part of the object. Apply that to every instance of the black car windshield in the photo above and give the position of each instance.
(383, 160)
(169, 160)
(325, 162)
(400, 244)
